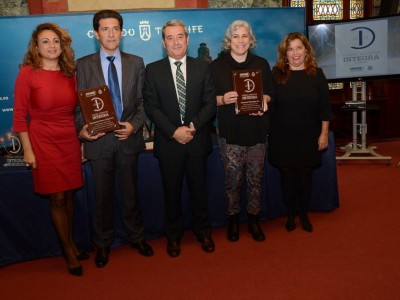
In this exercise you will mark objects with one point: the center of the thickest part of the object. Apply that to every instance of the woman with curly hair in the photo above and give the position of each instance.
(45, 98)
(242, 138)
(299, 123)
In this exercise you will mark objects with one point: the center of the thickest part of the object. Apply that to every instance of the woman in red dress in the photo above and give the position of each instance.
(44, 102)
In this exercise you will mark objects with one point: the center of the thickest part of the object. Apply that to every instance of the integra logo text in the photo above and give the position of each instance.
(365, 37)
(360, 58)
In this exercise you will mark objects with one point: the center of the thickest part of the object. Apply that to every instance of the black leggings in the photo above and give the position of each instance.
(296, 189)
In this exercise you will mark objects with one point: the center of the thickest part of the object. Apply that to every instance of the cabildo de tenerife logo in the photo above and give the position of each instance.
(145, 30)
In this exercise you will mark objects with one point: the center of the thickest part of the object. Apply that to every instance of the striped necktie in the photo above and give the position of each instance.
(181, 86)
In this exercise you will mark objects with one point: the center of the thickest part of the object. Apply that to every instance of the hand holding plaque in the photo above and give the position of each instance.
(98, 110)
(248, 85)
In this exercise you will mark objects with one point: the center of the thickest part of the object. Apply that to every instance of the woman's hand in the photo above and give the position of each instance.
(323, 137)
(29, 155)
(260, 113)
(30, 159)
(323, 141)
(229, 97)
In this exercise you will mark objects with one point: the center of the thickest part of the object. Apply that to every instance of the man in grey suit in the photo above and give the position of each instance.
(179, 98)
(114, 156)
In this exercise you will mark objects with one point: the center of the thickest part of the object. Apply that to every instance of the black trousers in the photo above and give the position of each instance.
(173, 172)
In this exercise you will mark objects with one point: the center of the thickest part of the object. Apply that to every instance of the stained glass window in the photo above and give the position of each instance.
(328, 9)
(298, 3)
(336, 85)
(356, 9)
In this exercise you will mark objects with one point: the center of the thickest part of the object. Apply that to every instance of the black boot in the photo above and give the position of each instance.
(254, 228)
(233, 228)
(305, 222)
(291, 223)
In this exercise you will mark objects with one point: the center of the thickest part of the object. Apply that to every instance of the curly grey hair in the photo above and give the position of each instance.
(226, 42)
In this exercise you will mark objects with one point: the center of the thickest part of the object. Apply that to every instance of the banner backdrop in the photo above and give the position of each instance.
(141, 36)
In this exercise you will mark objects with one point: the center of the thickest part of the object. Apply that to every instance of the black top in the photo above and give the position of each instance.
(240, 130)
(299, 107)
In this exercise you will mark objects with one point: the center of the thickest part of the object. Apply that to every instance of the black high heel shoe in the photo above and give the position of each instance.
(77, 271)
(306, 224)
(290, 223)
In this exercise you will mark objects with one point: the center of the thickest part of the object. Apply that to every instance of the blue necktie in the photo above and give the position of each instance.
(181, 86)
(114, 87)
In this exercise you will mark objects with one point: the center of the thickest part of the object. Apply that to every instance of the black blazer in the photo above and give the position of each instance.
(90, 74)
(161, 106)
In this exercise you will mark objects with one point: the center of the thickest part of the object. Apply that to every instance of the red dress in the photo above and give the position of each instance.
(44, 104)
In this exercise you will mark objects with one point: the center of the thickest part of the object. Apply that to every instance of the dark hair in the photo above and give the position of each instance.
(106, 14)
(66, 60)
(310, 64)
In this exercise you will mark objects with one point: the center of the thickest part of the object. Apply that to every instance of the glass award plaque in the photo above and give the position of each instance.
(248, 85)
(98, 110)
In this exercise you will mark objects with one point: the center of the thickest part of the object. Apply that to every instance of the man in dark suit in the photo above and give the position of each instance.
(113, 156)
(182, 139)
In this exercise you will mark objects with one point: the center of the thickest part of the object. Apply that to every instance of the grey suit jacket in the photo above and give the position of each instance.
(89, 75)
(161, 105)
